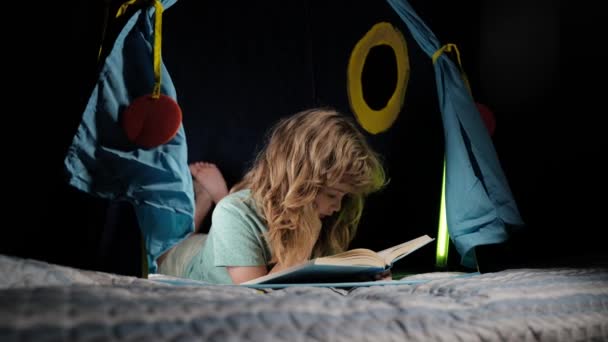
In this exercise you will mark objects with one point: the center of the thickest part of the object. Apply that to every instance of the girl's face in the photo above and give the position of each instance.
(329, 199)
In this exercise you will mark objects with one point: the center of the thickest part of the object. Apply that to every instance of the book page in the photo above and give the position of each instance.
(353, 257)
(395, 253)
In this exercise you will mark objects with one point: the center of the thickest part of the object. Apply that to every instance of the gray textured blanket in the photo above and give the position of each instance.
(43, 302)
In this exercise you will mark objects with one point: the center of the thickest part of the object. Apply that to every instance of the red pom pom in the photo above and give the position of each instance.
(151, 122)
(488, 117)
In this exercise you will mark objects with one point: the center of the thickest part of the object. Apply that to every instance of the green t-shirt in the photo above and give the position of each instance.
(236, 238)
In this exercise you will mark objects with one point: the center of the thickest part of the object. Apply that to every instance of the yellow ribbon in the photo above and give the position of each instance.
(121, 11)
(123, 8)
(448, 48)
(106, 12)
(158, 23)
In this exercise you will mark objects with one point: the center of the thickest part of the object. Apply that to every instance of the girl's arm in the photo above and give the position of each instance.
(240, 274)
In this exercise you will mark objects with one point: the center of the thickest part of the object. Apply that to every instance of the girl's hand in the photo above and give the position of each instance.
(240, 274)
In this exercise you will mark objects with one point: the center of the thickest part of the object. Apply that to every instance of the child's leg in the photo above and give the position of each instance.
(177, 259)
(209, 188)
(205, 178)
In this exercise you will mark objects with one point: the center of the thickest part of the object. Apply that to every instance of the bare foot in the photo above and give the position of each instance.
(209, 177)
(202, 201)
(198, 187)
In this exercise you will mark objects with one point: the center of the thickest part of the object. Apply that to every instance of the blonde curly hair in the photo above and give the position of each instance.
(304, 153)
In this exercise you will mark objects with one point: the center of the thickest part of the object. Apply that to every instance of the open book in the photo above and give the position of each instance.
(353, 265)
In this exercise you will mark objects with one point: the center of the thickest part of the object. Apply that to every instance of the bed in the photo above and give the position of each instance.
(45, 302)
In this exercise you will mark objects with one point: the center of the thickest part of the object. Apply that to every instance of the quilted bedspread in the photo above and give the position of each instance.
(45, 302)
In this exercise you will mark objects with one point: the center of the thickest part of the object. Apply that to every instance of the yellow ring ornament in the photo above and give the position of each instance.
(376, 121)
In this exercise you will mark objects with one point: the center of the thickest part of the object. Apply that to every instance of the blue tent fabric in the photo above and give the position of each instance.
(480, 207)
(103, 162)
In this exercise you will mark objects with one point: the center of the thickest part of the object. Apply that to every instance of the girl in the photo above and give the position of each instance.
(302, 198)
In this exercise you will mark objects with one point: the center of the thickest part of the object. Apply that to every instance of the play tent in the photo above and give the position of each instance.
(104, 162)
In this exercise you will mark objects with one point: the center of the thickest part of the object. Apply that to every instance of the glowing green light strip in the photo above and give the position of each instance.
(443, 237)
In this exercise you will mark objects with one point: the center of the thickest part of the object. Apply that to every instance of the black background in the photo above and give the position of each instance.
(239, 67)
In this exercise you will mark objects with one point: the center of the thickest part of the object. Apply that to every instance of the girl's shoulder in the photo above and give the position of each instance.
(239, 199)
(238, 196)
(238, 204)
